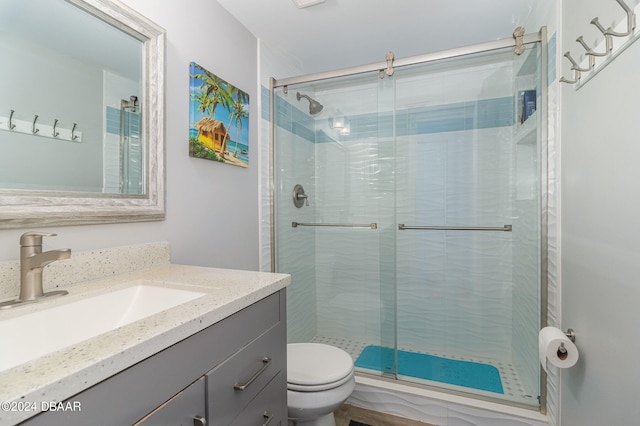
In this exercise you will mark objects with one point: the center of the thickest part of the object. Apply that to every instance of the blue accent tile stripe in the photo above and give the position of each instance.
(132, 120)
(283, 114)
(480, 114)
(265, 95)
(113, 120)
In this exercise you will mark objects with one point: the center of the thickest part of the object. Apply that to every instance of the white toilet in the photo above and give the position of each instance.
(319, 379)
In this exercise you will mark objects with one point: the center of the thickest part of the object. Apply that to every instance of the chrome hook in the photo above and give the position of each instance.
(589, 50)
(608, 37)
(33, 126)
(631, 24)
(575, 65)
(54, 133)
(10, 124)
(576, 78)
(73, 132)
(631, 21)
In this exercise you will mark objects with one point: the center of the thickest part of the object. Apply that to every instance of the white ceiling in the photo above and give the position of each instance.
(344, 33)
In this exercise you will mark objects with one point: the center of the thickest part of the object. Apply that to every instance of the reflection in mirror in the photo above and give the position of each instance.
(73, 68)
(81, 113)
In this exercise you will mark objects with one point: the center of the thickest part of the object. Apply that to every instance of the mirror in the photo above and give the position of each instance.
(81, 113)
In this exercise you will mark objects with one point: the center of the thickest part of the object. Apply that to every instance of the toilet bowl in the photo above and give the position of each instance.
(319, 379)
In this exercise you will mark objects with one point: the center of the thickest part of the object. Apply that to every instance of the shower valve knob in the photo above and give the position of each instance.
(299, 197)
(303, 197)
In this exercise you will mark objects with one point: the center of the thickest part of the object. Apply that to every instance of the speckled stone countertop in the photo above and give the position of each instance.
(62, 374)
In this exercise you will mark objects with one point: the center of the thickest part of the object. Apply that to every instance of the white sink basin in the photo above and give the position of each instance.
(27, 337)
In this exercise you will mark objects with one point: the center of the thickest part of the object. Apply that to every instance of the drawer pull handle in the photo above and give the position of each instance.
(242, 386)
(267, 418)
(199, 421)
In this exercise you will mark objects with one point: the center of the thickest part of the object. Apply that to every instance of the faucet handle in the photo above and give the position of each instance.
(34, 238)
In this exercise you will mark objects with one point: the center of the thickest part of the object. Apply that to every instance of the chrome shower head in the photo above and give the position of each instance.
(314, 106)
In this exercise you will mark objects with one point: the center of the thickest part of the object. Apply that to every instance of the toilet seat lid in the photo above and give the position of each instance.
(314, 364)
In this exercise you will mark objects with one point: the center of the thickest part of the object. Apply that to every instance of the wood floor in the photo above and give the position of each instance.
(347, 413)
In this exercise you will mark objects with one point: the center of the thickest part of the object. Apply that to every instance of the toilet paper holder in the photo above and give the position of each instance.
(562, 351)
(571, 334)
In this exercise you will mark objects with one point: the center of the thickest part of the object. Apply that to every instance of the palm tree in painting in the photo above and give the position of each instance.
(205, 103)
(237, 114)
(215, 90)
(237, 111)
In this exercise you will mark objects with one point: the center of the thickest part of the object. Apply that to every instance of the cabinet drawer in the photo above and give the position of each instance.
(234, 383)
(267, 408)
(182, 409)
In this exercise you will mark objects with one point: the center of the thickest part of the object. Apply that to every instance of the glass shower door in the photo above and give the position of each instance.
(468, 240)
(338, 240)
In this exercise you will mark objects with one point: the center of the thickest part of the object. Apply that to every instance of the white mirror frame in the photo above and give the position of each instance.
(20, 208)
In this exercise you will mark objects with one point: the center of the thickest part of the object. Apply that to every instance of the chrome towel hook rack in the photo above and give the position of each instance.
(39, 127)
(610, 51)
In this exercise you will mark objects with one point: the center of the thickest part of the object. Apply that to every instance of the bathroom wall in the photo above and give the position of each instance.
(600, 232)
(212, 208)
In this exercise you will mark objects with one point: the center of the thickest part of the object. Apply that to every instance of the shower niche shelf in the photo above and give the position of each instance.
(525, 133)
(525, 71)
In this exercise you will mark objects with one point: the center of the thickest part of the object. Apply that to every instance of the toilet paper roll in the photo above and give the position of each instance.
(556, 348)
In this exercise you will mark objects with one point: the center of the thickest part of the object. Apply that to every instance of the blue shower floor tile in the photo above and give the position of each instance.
(429, 367)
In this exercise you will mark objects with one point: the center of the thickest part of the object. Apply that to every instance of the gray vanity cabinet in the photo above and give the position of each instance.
(231, 373)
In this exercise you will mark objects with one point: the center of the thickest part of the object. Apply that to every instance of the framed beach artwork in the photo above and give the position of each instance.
(218, 119)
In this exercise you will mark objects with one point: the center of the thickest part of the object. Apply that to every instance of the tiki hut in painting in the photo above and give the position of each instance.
(212, 133)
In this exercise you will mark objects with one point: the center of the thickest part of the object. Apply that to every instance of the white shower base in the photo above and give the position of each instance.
(408, 400)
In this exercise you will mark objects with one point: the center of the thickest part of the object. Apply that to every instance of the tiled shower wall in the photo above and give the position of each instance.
(295, 154)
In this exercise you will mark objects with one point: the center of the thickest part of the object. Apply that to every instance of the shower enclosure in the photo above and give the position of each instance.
(410, 212)
(131, 155)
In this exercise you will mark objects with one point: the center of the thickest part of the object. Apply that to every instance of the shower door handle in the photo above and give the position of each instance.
(505, 228)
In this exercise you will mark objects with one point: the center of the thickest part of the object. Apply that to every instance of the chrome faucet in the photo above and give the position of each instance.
(32, 262)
